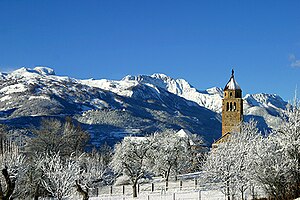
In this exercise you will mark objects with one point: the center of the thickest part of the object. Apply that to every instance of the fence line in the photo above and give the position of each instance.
(179, 195)
(176, 190)
(189, 189)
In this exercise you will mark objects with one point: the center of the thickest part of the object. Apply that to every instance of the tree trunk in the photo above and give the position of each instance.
(242, 192)
(168, 172)
(228, 191)
(85, 194)
(10, 184)
(1, 192)
(134, 189)
(252, 192)
(36, 192)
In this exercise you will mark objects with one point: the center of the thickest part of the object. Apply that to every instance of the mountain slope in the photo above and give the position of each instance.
(27, 95)
(211, 98)
(265, 108)
(110, 110)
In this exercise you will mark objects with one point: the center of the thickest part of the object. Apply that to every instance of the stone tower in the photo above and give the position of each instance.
(232, 106)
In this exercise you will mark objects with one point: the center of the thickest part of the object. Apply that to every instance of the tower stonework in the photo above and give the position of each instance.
(232, 107)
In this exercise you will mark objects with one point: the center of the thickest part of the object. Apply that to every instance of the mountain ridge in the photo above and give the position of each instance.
(134, 105)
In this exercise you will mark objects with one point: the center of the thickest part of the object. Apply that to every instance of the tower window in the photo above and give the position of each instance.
(230, 106)
(230, 94)
(234, 106)
(227, 106)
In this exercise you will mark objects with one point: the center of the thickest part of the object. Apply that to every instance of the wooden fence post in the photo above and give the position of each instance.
(111, 189)
(180, 184)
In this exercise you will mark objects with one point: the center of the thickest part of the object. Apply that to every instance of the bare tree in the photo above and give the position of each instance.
(54, 136)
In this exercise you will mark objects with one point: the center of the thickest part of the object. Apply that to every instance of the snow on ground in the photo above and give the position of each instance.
(122, 88)
(7, 97)
(19, 87)
(189, 190)
(182, 195)
(44, 70)
(39, 97)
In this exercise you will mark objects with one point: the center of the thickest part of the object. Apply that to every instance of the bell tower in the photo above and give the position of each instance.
(232, 106)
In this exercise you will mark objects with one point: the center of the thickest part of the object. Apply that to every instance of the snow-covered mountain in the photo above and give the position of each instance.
(265, 108)
(111, 109)
(210, 98)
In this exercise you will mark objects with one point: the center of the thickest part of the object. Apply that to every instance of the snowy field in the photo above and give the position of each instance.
(188, 195)
(187, 190)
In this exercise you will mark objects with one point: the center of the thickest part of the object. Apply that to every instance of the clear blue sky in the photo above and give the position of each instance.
(199, 41)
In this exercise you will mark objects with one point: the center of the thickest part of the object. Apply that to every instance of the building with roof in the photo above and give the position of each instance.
(232, 109)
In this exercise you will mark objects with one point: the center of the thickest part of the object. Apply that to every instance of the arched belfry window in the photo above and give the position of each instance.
(227, 106)
(230, 106)
(234, 106)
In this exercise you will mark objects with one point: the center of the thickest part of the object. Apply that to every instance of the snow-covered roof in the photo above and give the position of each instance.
(183, 133)
(232, 84)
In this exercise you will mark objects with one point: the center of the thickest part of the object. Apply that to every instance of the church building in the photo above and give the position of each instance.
(232, 109)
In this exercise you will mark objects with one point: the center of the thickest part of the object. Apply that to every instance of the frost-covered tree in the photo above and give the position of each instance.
(131, 157)
(171, 154)
(32, 180)
(51, 138)
(219, 168)
(12, 169)
(94, 171)
(230, 164)
(288, 137)
(271, 167)
(59, 174)
(278, 157)
(242, 146)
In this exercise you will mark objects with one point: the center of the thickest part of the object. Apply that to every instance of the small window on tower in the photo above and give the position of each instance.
(230, 94)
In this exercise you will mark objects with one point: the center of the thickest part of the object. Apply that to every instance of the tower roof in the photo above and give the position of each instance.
(232, 84)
